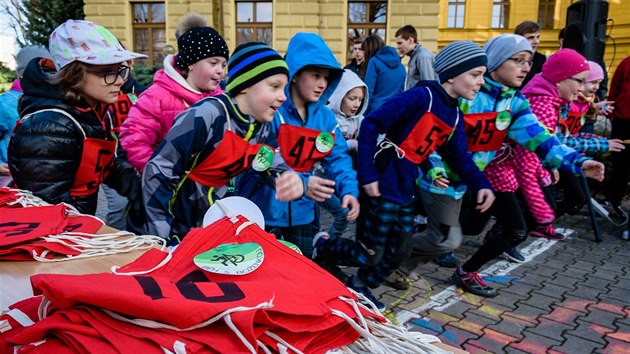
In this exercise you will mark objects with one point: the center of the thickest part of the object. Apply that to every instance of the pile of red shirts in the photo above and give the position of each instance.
(33, 229)
(163, 302)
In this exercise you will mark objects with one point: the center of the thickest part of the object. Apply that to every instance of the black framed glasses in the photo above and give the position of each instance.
(110, 77)
(520, 62)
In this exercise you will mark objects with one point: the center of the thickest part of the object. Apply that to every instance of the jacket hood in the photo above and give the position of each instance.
(388, 56)
(349, 80)
(39, 93)
(539, 86)
(171, 80)
(309, 49)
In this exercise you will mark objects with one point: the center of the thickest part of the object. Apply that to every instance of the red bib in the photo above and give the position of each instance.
(121, 109)
(232, 156)
(302, 147)
(96, 162)
(572, 123)
(425, 137)
(486, 131)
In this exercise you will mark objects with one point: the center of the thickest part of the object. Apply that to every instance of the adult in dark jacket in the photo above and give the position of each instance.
(384, 73)
(63, 149)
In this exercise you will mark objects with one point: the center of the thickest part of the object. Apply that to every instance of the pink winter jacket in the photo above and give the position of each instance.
(153, 115)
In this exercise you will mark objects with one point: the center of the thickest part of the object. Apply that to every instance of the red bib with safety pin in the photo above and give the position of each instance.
(572, 123)
(302, 147)
(426, 136)
(486, 131)
(97, 158)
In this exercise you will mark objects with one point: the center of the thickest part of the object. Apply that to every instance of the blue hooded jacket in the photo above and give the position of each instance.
(384, 77)
(306, 49)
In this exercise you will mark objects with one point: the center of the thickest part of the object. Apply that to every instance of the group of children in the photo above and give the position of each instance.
(289, 133)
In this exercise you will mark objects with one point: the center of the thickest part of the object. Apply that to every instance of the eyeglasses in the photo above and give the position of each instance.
(520, 62)
(579, 81)
(110, 77)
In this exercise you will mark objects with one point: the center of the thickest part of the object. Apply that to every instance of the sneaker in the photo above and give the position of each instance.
(447, 260)
(397, 281)
(514, 255)
(472, 283)
(333, 269)
(320, 237)
(547, 231)
(367, 293)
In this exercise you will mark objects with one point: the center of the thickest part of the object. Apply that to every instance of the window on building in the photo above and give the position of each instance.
(365, 18)
(546, 10)
(149, 31)
(500, 13)
(455, 18)
(254, 21)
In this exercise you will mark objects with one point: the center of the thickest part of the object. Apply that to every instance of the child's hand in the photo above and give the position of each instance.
(616, 145)
(441, 182)
(320, 189)
(593, 169)
(372, 189)
(485, 198)
(350, 202)
(555, 176)
(604, 107)
(289, 186)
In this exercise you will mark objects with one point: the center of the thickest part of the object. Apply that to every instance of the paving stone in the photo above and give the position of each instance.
(595, 282)
(481, 319)
(564, 281)
(511, 327)
(541, 301)
(575, 344)
(576, 303)
(552, 290)
(521, 289)
(611, 267)
(563, 314)
(487, 312)
(508, 302)
(586, 292)
(534, 343)
(606, 274)
(602, 318)
(584, 265)
(456, 335)
(534, 279)
(621, 310)
(494, 341)
(615, 347)
(512, 350)
(551, 329)
(527, 313)
(589, 331)
(473, 349)
(614, 301)
(575, 273)
(619, 294)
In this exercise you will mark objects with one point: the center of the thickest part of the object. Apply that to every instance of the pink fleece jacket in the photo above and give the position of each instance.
(153, 115)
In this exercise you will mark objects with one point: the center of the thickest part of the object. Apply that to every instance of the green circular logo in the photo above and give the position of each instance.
(503, 120)
(291, 246)
(263, 159)
(233, 259)
(324, 142)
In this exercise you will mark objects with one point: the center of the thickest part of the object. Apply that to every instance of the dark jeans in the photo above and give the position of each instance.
(513, 228)
(618, 181)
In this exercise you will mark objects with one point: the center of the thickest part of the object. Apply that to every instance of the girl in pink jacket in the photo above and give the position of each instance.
(193, 73)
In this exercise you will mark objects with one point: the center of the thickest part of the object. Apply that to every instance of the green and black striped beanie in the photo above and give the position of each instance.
(251, 63)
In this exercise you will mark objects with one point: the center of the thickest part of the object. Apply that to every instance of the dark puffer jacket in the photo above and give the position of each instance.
(45, 150)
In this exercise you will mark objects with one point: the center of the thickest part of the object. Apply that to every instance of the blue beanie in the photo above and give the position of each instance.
(500, 48)
(457, 58)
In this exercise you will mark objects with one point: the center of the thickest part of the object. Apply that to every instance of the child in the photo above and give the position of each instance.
(416, 123)
(63, 148)
(551, 95)
(585, 108)
(497, 112)
(215, 140)
(307, 133)
(193, 73)
(348, 102)
(384, 73)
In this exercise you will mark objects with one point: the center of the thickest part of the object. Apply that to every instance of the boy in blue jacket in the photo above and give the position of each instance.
(416, 123)
(307, 133)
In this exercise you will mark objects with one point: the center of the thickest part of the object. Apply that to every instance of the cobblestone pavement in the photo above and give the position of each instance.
(571, 296)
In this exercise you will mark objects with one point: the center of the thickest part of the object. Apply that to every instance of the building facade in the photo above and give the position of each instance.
(148, 26)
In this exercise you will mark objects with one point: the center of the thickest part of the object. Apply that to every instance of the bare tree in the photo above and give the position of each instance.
(16, 12)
